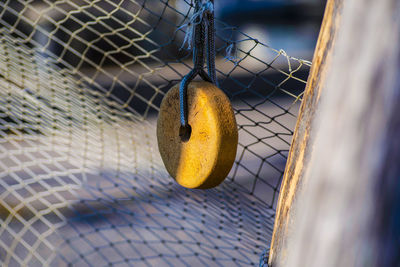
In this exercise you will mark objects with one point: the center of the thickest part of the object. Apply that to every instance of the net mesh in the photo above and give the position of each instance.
(81, 180)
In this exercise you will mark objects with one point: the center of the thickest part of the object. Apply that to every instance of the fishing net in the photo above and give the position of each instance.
(81, 179)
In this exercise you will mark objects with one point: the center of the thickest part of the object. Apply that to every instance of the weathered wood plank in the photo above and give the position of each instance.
(340, 203)
(299, 152)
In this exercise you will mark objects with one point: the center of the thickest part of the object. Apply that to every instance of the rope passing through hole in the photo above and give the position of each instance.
(201, 154)
(200, 31)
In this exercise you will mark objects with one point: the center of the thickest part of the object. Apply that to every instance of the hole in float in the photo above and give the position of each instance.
(185, 132)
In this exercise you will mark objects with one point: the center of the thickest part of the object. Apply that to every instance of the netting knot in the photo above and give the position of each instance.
(264, 258)
(231, 51)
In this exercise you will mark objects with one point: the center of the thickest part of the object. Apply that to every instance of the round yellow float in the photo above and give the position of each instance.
(201, 155)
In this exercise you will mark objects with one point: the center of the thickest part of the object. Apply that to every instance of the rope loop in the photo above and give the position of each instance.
(200, 33)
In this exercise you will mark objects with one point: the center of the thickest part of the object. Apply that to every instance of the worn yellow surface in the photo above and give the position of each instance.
(205, 159)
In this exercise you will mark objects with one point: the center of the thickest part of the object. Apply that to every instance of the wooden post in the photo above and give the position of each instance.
(340, 198)
(300, 150)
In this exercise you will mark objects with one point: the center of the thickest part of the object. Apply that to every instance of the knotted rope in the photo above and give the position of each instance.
(201, 32)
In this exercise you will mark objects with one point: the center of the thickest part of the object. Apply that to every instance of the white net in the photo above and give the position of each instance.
(81, 180)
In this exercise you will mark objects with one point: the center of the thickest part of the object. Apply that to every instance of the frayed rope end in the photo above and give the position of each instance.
(264, 258)
(195, 19)
(231, 54)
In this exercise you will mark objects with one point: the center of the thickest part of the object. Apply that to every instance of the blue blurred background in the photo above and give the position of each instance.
(291, 25)
(129, 39)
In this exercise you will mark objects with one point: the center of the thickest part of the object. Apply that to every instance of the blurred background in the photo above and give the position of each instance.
(71, 57)
(132, 52)
(125, 40)
(291, 25)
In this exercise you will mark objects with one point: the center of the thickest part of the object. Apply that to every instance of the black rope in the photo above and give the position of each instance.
(204, 33)
(211, 46)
